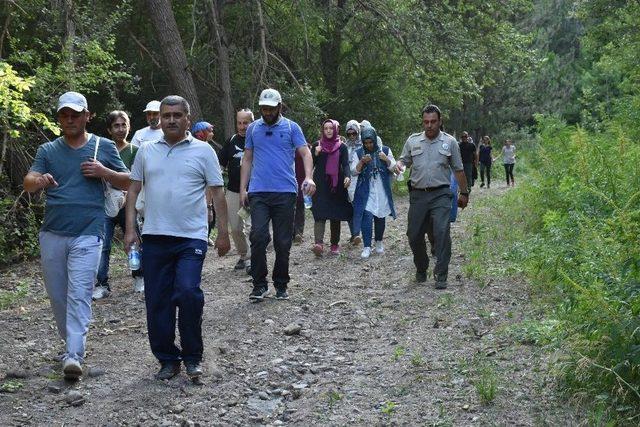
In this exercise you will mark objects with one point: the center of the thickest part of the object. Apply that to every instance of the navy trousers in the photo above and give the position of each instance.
(172, 275)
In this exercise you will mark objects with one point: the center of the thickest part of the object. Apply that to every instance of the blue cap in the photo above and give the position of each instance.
(200, 126)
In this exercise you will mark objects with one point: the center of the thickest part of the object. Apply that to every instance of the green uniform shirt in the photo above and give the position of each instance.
(128, 154)
(431, 161)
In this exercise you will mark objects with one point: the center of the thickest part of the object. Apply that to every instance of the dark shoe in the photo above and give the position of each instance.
(421, 276)
(240, 265)
(282, 294)
(482, 185)
(441, 284)
(168, 370)
(355, 240)
(194, 370)
(258, 293)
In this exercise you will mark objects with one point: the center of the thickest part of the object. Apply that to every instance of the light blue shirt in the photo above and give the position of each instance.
(274, 148)
(174, 179)
(76, 206)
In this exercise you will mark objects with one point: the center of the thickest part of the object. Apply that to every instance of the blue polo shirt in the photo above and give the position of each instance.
(274, 148)
(76, 206)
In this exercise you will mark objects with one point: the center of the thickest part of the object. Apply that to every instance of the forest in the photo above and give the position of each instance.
(559, 77)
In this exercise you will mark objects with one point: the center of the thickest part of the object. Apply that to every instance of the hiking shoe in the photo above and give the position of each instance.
(240, 265)
(317, 249)
(194, 370)
(482, 185)
(282, 294)
(335, 250)
(421, 276)
(441, 284)
(168, 370)
(297, 239)
(247, 269)
(355, 240)
(366, 253)
(71, 369)
(138, 284)
(100, 292)
(379, 247)
(258, 293)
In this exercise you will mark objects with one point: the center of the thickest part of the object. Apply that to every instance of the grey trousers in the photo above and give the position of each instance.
(69, 266)
(240, 228)
(430, 207)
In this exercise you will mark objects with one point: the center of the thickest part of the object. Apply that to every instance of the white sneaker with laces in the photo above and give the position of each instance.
(72, 369)
(100, 292)
(379, 247)
(138, 284)
(366, 253)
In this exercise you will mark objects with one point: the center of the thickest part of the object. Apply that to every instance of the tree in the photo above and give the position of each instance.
(166, 30)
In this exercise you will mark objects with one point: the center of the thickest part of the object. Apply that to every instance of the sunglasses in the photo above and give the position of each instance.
(351, 133)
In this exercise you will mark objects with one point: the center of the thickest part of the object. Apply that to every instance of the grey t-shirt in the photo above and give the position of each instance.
(76, 206)
(431, 161)
(174, 179)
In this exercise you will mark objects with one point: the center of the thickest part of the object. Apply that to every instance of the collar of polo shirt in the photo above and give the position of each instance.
(187, 140)
(263, 123)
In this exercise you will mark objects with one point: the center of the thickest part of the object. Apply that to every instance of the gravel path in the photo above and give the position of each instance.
(373, 348)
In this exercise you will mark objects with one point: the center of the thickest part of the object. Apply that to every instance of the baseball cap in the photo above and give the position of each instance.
(270, 97)
(152, 106)
(200, 126)
(74, 100)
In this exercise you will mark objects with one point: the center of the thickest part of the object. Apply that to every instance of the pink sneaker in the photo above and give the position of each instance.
(318, 249)
(335, 250)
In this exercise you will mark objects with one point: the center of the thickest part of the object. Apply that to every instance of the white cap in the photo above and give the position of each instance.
(270, 97)
(152, 106)
(74, 100)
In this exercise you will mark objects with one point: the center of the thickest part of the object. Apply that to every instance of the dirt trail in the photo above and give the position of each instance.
(375, 348)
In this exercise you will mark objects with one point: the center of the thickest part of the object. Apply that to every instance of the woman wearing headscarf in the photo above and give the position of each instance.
(373, 200)
(353, 144)
(332, 177)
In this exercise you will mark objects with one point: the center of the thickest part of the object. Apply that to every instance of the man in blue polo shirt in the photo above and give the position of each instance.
(269, 158)
(177, 172)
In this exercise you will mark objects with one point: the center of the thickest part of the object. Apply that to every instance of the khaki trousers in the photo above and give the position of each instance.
(238, 227)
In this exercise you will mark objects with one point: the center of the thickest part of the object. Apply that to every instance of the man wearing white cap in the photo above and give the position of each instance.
(153, 131)
(269, 157)
(71, 169)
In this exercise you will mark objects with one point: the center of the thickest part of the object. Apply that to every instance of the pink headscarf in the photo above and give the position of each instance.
(332, 148)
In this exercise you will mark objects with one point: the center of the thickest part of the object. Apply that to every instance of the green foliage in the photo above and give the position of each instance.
(11, 386)
(388, 408)
(20, 225)
(486, 383)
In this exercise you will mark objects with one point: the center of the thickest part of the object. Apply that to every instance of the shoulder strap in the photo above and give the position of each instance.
(95, 151)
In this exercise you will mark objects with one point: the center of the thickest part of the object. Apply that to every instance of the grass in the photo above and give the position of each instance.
(11, 386)
(388, 408)
(10, 298)
(398, 353)
(486, 384)
(334, 397)
(417, 360)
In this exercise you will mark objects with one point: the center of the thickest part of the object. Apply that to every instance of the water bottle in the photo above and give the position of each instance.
(134, 257)
(400, 176)
(308, 202)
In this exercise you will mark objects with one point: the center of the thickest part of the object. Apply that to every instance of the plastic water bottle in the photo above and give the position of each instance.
(308, 202)
(134, 257)
(400, 176)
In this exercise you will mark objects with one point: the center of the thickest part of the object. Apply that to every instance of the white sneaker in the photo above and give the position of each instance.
(379, 247)
(138, 284)
(100, 292)
(72, 369)
(366, 253)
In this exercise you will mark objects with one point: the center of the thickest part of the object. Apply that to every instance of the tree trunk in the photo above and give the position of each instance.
(166, 29)
(226, 105)
(330, 48)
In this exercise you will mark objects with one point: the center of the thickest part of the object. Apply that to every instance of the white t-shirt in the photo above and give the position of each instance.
(145, 135)
(509, 154)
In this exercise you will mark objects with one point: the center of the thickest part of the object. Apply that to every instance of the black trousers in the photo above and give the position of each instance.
(277, 208)
(298, 222)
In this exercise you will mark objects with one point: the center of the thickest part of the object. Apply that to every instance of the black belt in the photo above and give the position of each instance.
(439, 187)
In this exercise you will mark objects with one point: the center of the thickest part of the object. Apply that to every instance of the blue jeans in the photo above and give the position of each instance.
(69, 266)
(278, 208)
(370, 221)
(172, 276)
(109, 228)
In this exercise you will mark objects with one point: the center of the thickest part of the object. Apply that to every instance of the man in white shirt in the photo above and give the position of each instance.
(153, 131)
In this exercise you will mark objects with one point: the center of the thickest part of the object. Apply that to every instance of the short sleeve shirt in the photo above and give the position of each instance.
(468, 152)
(431, 161)
(509, 154)
(76, 206)
(230, 158)
(274, 147)
(145, 135)
(174, 179)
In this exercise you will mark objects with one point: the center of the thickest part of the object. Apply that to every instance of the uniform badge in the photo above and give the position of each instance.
(445, 146)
